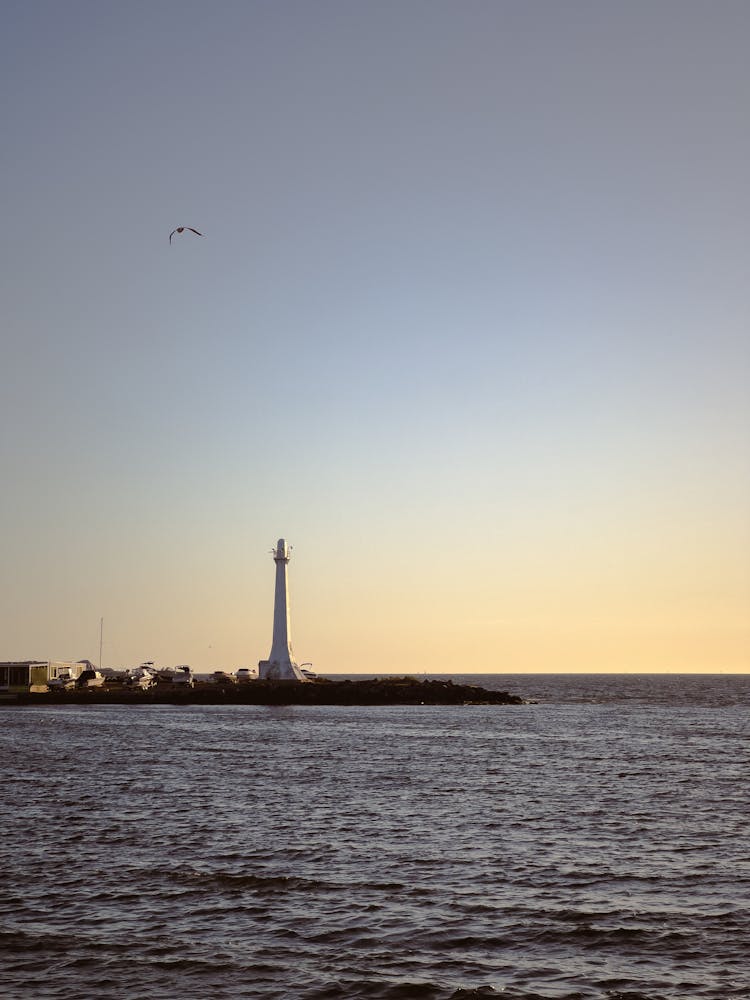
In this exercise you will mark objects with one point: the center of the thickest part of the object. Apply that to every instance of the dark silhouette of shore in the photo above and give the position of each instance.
(380, 691)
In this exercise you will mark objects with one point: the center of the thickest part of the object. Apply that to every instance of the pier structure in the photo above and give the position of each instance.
(280, 665)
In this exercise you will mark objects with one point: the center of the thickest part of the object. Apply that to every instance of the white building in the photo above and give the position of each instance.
(281, 665)
(33, 675)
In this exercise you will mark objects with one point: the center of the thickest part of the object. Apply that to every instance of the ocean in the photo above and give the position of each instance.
(593, 845)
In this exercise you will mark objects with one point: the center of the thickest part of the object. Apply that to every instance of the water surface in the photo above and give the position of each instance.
(594, 845)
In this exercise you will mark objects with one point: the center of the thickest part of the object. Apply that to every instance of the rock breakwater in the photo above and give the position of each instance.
(379, 691)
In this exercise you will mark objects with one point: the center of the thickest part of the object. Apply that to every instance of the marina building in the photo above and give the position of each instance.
(20, 676)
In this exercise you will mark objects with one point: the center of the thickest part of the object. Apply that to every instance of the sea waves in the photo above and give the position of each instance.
(551, 852)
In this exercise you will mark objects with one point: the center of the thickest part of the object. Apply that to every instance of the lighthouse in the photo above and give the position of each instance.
(280, 665)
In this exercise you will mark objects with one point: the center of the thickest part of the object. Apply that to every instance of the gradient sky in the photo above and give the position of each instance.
(468, 327)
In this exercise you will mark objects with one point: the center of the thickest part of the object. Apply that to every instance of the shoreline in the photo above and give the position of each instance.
(387, 691)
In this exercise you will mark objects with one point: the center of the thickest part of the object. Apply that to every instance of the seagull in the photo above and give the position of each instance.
(181, 229)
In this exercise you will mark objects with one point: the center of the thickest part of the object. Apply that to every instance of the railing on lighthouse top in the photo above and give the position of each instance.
(281, 552)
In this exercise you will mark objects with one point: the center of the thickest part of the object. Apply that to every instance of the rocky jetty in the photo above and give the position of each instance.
(379, 691)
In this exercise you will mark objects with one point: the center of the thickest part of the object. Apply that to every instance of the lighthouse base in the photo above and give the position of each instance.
(279, 670)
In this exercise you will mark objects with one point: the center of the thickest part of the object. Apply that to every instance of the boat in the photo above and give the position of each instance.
(222, 677)
(246, 674)
(90, 678)
(63, 682)
(142, 677)
(183, 676)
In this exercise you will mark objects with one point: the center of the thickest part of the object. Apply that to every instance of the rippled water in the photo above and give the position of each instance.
(594, 845)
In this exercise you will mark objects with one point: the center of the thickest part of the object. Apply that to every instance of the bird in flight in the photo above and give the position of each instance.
(181, 229)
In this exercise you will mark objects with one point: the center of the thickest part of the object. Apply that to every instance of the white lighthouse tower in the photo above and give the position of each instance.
(280, 665)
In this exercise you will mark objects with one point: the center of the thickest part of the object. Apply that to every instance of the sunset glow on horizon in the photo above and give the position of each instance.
(467, 326)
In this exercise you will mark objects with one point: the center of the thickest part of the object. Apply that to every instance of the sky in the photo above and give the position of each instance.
(468, 326)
